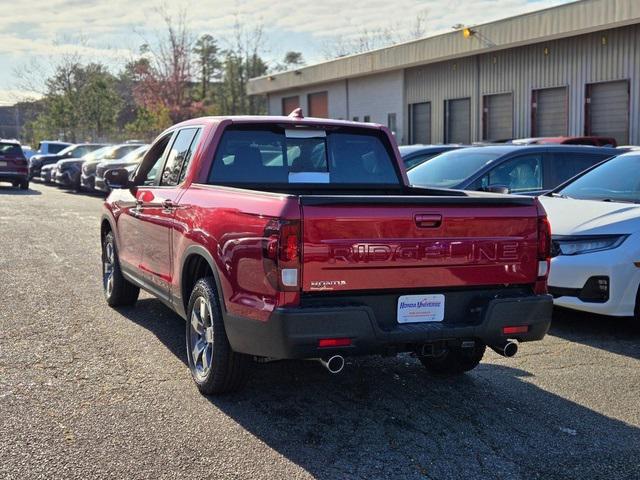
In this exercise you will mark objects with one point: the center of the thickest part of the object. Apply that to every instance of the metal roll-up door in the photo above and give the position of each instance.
(318, 105)
(458, 121)
(608, 110)
(421, 123)
(550, 112)
(289, 104)
(498, 117)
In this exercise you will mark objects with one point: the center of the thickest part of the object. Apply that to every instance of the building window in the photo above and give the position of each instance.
(356, 119)
(289, 104)
(367, 118)
(391, 122)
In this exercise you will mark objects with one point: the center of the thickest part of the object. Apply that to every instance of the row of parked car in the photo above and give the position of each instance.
(81, 167)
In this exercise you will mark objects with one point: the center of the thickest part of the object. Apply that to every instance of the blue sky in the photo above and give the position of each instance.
(36, 34)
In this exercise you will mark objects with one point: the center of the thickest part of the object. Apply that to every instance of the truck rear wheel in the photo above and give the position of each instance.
(455, 360)
(215, 367)
(118, 290)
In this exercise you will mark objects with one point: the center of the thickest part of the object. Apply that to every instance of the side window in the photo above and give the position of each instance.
(519, 174)
(177, 155)
(149, 168)
(187, 160)
(563, 166)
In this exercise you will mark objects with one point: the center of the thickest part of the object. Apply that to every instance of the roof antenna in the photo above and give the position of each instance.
(296, 113)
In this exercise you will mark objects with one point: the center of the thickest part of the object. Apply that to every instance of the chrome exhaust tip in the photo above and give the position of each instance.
(508, 349)
(334, 364)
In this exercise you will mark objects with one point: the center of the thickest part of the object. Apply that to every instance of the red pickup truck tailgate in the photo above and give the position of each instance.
(374, 243)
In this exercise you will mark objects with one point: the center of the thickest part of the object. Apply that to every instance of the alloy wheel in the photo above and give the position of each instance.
(201, 338)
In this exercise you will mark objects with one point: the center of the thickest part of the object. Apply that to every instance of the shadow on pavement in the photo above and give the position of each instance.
(387, 418)
(614, 334)
(10, 190)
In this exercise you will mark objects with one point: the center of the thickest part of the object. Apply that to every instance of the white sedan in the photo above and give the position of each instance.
(595, 225)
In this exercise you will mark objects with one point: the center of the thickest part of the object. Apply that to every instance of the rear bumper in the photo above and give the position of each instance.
(294, 332)
(13, 176)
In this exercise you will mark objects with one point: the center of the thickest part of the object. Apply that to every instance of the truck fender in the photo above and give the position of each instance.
(203, 252)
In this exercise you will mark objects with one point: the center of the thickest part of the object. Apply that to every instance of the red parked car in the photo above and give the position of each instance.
(14, 167)
(293, 238)
(593, 141)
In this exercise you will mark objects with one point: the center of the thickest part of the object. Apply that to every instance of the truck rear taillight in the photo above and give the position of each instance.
(544, 254)
(281, 257)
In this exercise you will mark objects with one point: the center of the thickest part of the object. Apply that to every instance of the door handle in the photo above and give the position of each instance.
(428, 220)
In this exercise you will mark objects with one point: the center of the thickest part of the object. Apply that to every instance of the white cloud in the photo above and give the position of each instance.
(112, 29)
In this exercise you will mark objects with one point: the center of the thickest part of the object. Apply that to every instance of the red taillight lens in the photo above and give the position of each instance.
(544, 239)
(514, 330)
(289, 241)
(334, 342)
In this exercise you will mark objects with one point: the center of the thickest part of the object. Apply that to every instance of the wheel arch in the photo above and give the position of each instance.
(197, 263)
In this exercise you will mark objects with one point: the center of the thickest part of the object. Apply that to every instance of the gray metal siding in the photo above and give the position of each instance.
(438, 83)
(336, 94)
(499, 116)
(377, 96)
(609, 110)
(564, 21)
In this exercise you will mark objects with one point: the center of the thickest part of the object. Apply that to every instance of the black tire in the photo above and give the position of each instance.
(121, 292)
(455, 361)
(24, 185)
(227, 370)
(637, 309)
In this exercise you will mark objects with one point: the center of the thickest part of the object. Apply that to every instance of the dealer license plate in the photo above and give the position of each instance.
(420, 308)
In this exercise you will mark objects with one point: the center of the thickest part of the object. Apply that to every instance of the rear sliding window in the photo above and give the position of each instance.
(250, 156)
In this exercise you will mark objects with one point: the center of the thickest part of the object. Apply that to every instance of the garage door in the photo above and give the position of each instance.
(549, 112)
(498, 117)
(458, 121)
(421, 123)
(318, 105)
(289, 104)
(608, 110)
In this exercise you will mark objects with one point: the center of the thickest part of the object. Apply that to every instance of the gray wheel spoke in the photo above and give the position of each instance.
(198, 348)
(206, 358)
(196, 324)
(203, 310)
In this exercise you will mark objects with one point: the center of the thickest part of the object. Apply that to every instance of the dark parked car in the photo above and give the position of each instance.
(116, 152)
(129, 162)
(66, 173)
(73, 151)
(531, 169)
(13, 164)
(414, 155)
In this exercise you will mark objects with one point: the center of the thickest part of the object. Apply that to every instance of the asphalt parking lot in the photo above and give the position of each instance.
(91, 392)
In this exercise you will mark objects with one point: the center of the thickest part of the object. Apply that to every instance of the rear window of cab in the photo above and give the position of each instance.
(279, 156)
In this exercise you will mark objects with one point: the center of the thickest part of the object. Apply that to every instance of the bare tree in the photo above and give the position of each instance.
(369, 39)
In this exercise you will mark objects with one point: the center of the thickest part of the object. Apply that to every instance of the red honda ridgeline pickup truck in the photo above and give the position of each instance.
(293, 238)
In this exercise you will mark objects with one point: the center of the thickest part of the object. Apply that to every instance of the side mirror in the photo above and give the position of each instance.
(503, 189)
(117, 178)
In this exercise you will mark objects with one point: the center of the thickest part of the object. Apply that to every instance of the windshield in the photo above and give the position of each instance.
(97, 154)
(64, 151)
(617, 180)
(136, 155)
(449, 169)
(345, 156)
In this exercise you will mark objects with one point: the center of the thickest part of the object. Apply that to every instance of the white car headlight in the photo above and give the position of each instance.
(586, 244)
